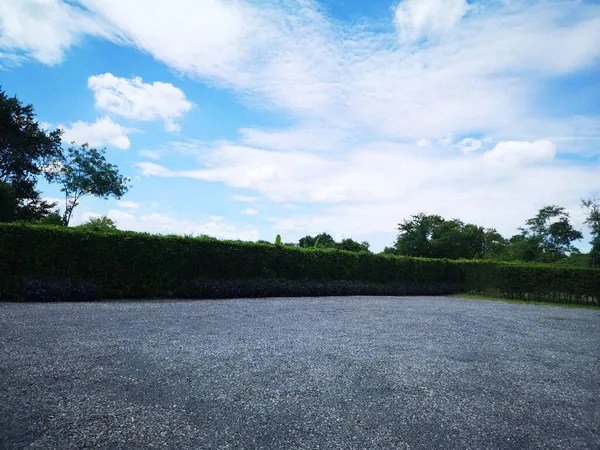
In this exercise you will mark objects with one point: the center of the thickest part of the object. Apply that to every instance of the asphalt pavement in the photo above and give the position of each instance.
(305, 373)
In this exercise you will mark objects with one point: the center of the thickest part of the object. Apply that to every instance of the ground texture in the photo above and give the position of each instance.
(341, 372)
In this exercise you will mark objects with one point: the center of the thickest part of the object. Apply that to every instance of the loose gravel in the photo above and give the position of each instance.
(305, 373)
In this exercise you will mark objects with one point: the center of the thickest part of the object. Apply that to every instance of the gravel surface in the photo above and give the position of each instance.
(307, 373)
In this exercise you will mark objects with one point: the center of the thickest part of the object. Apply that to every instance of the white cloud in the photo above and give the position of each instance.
(43, 29)
(136, 100)
(244, 198)
(423, 143)
(101, 132)
(512, 153)
(249, 212)
(469, 145)
(127, 204)
(289, 57)
(151, 154)
(372, 188)
(428, 18)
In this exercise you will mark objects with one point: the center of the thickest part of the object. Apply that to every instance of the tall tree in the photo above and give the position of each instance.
(85, 171)
(552, 228)
(8, 202)
(25, 149)
(592, 206)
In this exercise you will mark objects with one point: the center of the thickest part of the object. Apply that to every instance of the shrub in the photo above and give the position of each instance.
(140, 265)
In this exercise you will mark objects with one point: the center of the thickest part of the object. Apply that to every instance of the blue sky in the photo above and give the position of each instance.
(245, 119)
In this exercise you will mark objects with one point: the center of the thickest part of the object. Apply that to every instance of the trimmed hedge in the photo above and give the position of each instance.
(140, 265)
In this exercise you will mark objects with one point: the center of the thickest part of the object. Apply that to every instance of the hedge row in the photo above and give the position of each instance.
(58, 262)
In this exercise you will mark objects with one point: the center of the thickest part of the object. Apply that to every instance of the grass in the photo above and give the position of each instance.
(524, 302)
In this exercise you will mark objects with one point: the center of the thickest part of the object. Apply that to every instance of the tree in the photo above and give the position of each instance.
(54, 218)
(85, 171)
(102, 223)
(592, 206)
(414, 238)
(8, 202)
(25, 149)
(351, 245)
(323, 240)
(432, 236)
(551, 227)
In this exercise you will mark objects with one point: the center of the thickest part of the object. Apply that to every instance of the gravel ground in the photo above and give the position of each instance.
(306, 373)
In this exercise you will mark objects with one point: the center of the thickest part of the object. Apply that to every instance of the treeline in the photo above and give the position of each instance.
(548, 237)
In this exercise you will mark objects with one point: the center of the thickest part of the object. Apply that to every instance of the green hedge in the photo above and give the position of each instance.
(140, 265)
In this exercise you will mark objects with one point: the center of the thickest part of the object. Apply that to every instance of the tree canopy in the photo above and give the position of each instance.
(85, 171)
(25, 149)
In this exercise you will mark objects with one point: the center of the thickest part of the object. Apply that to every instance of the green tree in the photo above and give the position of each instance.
(432, 236)
(551, 227)
(8, 202)
(85, 171)
(323, 240)
(592, 207)
(102, 223)
(414, 237)
(25, 149)
(54, 218)
(351, 245)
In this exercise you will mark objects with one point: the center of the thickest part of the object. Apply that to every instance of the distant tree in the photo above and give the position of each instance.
(494, 245)
(54, 218)
(521, 247)
(432, 236)
(278, 240)
(551, 227)
(85, 171)
(25, 149)
(351, 245)
(323, 240)
(592, 207)
(102, 223)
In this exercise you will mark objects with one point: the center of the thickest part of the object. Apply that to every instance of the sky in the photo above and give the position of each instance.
(246, 119)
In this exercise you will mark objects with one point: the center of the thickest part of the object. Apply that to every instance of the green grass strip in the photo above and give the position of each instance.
(523, 302)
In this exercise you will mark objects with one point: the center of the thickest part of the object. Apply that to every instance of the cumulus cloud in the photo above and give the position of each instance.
(133, 99)
(249, 212)
(514, 153)
(101, 132)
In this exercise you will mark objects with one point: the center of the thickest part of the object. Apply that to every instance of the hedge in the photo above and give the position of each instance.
(63, 263)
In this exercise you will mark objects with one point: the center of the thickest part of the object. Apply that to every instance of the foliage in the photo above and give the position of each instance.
(278, 240)
(85, 171)
(432, 236)
(54, 218)
(140, 265)
(25, 150)
(8, 202)
(552, 229)
(592, 206)
(325, 240)
(98, 224)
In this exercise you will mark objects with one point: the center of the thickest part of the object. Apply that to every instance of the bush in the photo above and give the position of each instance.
(140, 265)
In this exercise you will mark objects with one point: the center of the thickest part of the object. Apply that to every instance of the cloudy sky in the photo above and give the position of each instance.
(244, 119)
